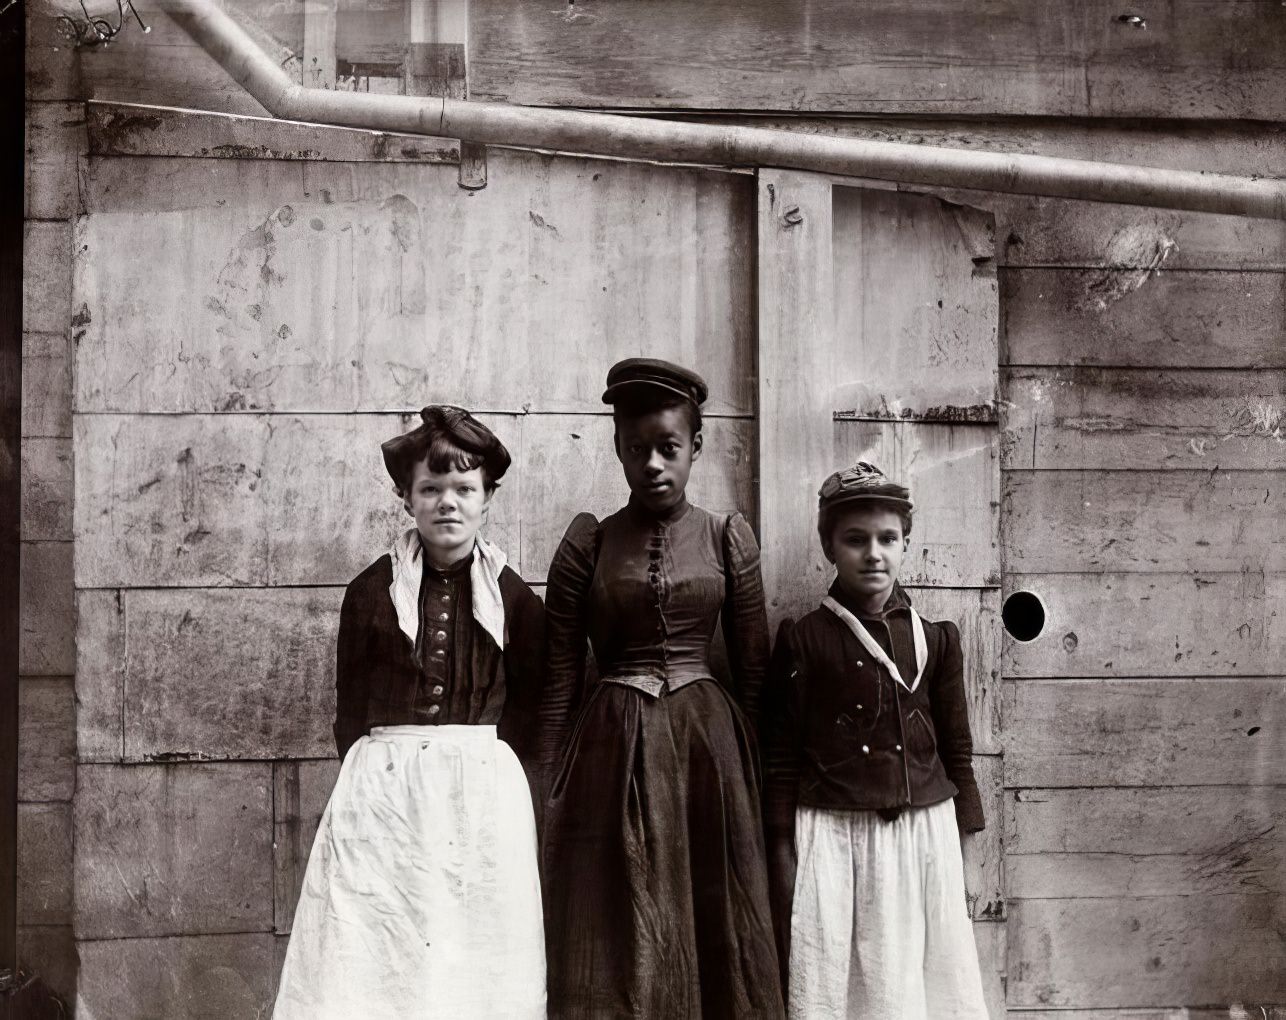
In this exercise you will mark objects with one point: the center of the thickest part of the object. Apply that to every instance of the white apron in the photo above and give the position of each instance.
(422, 894)
(880, 927)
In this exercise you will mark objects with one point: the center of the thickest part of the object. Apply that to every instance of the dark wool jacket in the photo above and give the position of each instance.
(840, 732)
(379, 680)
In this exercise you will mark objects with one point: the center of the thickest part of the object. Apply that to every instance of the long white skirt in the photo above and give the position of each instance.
(880, 927)
(422, 894)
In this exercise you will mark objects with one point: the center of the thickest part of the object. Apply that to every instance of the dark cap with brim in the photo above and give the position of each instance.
(456, 425)
(863, 483)
(638, 375)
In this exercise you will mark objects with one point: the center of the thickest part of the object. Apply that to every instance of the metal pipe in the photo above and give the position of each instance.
(603, 134)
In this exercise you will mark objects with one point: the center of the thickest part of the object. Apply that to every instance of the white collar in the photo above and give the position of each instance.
(484, 575)
(878, 653)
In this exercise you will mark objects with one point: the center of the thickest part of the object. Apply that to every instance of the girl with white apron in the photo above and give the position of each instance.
(422, 896)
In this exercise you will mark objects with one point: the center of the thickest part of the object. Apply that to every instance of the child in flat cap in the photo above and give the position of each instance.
(868, 748)
(422, 893)
(656, 886)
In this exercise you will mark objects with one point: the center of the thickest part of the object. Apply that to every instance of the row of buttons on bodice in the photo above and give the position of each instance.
(437, 613)
(658, 584)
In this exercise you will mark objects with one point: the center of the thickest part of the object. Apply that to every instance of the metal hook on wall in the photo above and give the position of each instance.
(96, 31)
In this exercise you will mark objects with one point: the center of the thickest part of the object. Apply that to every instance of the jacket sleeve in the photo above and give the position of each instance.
(566, 606)
(782, 740)
(951, 720)
(352, 681)
(745, 619)
(524, 662)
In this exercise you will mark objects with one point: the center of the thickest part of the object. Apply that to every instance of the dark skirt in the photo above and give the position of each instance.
(656, 889)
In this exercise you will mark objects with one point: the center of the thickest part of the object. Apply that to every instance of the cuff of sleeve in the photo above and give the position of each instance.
(969, 816)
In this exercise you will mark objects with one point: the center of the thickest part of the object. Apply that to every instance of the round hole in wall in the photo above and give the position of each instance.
(1023, 615)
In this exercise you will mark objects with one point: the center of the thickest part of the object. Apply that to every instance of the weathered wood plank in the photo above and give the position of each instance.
(953, 472)
(301, 791)
(1153, 733)
(569, 466)
(1117, 624)
(984, 852)
(44, 863)
(192, 978)
(46, 384)
(218, 673)
(1150, 522)
(46, 739)
(319, 286)
(1139, 419)
(1136, 317)
(992, 944)
(46, 643)
(246, 499)
(52, 72)
(319, 44)
(172, 849)
(46, 489)
(915, 299)
(370, 36)
(796, 356)
(119, 129)
(1198, 58)
(50, 952)
(1236, 1011)
(46, 278)
(55, 140)
(174, 674)
(1153, 841)
(1053, 232)
(976, 611)
(100, 676)
(1137, 952)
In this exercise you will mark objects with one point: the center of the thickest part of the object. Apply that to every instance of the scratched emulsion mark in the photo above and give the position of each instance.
(1133, 255)
(406, 246)
(1255, 417)
(244, 306)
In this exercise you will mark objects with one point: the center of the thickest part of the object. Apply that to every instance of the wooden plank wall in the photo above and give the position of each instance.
(232, 389)
(55, 131)
(1142, 378)
(1142, 393)
(1142, 489)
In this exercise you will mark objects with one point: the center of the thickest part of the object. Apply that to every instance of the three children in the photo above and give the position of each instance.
(660, 896)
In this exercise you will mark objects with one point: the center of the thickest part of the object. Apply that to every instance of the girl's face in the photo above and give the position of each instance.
(656, 450)
(866, 547)
(448, 510)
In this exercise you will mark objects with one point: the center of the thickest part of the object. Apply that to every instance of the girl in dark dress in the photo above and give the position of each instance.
(656, 893)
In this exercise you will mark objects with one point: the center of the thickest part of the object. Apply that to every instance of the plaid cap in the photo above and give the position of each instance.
(863, 481)
(653, 373)
(456, 424)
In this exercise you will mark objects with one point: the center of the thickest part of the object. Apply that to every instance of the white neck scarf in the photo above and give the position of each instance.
(873, 647)
(484, 574)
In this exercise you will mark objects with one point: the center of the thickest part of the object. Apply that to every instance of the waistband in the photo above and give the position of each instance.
(655, 685)
(452, 734)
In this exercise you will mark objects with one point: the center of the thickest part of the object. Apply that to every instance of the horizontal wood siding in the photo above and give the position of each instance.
(1195, 58)
(1143, 462)
(278, 295)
